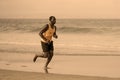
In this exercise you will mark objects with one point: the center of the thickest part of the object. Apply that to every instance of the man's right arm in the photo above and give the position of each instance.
(44, 29)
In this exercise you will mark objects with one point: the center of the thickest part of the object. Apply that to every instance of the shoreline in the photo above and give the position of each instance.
(81, 44)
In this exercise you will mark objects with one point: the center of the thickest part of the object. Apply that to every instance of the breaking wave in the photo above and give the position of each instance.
(63, 25)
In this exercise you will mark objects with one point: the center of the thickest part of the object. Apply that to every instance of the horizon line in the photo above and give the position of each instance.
(63, 18)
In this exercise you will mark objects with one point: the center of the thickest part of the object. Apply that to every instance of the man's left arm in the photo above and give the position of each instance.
(55, 35)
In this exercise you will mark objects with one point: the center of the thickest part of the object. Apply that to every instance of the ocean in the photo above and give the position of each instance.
(75, 36)
(63, 25)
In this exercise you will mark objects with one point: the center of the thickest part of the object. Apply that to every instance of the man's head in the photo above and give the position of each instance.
(52, 19)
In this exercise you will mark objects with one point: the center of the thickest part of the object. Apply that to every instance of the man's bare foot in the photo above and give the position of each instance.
(46, 68)
(46, 71)
(35, 58)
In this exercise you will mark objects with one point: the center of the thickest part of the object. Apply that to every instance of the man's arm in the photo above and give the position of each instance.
(55, 35)
(44, 29)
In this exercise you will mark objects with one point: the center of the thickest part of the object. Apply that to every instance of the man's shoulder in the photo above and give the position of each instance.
(45, 26)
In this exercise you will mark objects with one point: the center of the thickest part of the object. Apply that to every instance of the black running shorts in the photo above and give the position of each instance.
(47, 47)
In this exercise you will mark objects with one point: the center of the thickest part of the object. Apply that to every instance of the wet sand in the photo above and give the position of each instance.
(102, 66)
(22, 75)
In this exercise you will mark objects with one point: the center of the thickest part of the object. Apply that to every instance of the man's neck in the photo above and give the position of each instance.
(51, 24)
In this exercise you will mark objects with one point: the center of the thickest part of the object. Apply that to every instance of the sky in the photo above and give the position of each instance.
(60, 8)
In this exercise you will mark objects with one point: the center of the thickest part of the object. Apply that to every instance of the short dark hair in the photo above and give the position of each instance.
(51, 18)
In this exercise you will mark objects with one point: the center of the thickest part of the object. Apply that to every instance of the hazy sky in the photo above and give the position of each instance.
(60, 8)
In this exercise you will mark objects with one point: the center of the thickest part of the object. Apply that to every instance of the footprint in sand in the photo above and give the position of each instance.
(7, 64)
(23, 66)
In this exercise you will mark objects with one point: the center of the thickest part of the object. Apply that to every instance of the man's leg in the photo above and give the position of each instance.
(45, 48)
(45, 55)
(35, 57)
(50, 55)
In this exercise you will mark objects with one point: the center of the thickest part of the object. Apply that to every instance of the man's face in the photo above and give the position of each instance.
(53, 20)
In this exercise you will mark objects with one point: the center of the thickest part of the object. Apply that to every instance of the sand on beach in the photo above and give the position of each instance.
(22, 75)
(102, 66)
(84, 58)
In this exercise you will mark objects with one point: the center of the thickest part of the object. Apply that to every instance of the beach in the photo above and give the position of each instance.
(21, 75)
(85, 52)
(71, 61)
(21, 67)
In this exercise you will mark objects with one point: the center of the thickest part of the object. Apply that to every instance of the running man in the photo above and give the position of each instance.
(46, 34)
